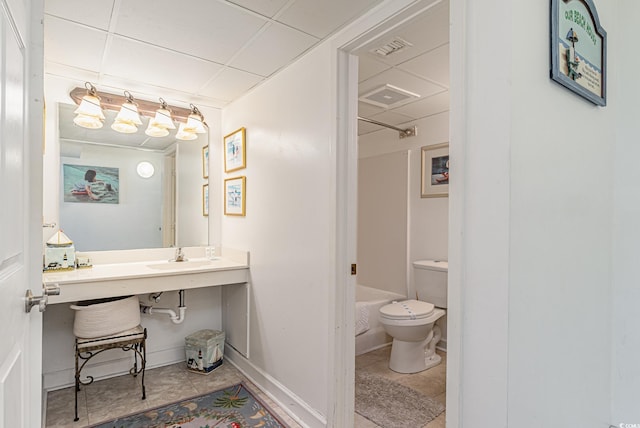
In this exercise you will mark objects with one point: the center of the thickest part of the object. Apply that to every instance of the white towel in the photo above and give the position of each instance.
(362, 317)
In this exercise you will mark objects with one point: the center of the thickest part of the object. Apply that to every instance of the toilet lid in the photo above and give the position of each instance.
(407, 309)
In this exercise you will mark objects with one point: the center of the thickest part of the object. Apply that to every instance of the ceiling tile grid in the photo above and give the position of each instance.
(211, 52)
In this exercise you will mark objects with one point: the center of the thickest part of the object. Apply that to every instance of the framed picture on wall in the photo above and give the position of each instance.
(235, 156)
(205, 162)
(435, 171)
(205, 200)
(92, 184)
(234, 196)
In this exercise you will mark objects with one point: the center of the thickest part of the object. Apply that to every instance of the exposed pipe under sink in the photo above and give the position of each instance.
(175, 318)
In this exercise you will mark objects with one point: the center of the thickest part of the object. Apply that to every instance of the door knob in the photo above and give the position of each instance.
(41, 301)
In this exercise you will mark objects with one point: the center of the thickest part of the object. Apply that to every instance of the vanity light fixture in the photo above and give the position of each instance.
(185, 133)
(91, 102)
(160, 125)
(89, 112)
(194, 125)
(128, 119)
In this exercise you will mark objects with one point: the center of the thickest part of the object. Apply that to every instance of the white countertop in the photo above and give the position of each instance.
(120, 278)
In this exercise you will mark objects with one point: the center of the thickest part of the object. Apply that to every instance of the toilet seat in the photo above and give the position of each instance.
(407, 310)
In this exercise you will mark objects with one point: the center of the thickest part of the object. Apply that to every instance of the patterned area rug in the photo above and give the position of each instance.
(392, 405)
(232, 407)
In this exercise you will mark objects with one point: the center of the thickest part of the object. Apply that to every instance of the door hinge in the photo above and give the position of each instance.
(353, 269)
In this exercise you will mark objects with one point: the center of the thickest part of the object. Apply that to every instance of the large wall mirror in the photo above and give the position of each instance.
(147, 193)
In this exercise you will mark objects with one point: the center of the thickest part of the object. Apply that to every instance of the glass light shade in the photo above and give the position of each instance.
(90, 122)
(129, 113)
(153, 130)
(145, 169)
(195, 123)
(186, 134)
(124, 127)
(90, 106)
(163, 119)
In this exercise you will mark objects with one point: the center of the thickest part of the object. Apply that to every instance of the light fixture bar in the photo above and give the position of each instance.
(145, 108)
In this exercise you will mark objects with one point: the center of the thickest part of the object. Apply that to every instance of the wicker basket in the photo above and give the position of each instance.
(104, 317)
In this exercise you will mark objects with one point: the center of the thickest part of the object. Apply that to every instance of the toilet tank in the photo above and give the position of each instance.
(431, 281)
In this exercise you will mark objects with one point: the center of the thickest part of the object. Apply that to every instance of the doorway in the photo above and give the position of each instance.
(409, 56)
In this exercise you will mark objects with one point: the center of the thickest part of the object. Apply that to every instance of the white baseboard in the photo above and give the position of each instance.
(293, 405)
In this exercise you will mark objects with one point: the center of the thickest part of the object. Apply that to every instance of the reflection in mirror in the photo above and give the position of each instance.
(110, 199)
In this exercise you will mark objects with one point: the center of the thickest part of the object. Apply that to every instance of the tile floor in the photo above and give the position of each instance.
(109, 398)
(430, 382)
(106, 399)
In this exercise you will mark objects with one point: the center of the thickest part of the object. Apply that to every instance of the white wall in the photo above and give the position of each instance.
(135, 221)
(289, 223)
(383, 222)
(626, 233)
(531, 226)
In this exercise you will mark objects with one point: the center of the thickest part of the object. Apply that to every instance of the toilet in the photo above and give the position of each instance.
(411, 323)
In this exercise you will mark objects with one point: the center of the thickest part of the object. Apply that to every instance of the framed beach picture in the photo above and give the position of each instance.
(579, 49)
(235, 156)
(205, 200)
(91, 184)
(435, 171)
(234, 196)
(205, 162)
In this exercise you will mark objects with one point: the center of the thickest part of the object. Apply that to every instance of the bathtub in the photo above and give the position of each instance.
(373, 299)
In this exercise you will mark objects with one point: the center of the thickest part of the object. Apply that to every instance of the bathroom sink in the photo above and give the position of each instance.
(189, 264)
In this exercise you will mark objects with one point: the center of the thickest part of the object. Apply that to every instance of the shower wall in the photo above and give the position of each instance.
(383, 221)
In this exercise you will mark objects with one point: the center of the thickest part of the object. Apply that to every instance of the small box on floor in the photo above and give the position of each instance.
(204, 350)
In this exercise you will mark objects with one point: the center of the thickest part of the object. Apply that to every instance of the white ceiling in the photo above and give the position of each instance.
(210, 52)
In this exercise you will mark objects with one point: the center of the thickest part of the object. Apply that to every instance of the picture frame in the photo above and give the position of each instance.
(235, 154)
(205, 200)
(579, 49)
(205, 162)
(235, 196)
(90, 184)
(435, 171)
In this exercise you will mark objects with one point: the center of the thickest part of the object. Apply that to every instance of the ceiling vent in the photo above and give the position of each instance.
(395, 45)
(388, 96)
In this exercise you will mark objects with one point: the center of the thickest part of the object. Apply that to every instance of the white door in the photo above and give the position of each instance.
(20, 213)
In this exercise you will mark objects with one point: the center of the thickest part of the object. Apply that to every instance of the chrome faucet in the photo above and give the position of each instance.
(179, 256)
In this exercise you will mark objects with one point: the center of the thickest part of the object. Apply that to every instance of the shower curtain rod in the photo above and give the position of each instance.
(404, 133)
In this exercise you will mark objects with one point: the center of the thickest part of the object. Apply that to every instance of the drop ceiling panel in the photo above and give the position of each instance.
(73, 44)
(276, 46)
(229, 84)
(426, 107)
(210, 30)
(433, 65)
(369, 67)
(158, 67)
(70, 73)
(392, 118)
(94, 13)
(321, 18)
(263, 7)
(401, 80)
(368, 110)
(427, 32)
